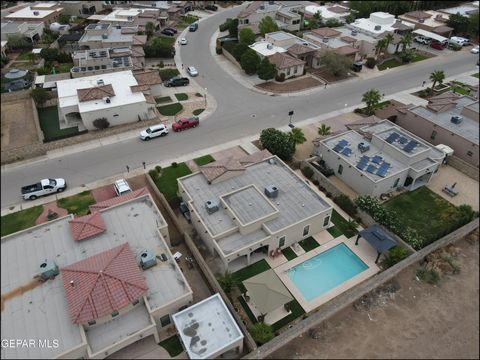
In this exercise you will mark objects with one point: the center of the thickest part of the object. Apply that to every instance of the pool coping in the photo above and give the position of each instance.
(363, 250)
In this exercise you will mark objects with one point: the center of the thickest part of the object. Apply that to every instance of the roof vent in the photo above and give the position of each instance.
(100, 82)
(271, 191)
(325, 39)
(147, 259)
(104, 36)
(36, 13)
(354, 33)
(456, 119)
(363, 147)
(48, 270)
(269, 46)
(211, 206)
(378, 28)
(272, 161)
(106, 100)
(421, 21)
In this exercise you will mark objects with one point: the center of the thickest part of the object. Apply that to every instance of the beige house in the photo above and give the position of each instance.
(46, 13)
(93, 284)
(131, 17)
(103, 35)
(429, 20)
(287, 64)
(448, 119)
(249, 208)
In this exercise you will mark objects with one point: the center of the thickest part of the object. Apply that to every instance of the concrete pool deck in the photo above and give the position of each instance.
(363, 250)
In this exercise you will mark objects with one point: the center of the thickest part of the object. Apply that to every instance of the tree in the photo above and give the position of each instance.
(49, 54)
(49, 36)
(40, 96)
(459, 23)
(233, 27)
(388, 40)
(266, 70)
(157, 47)
(313, 24)
(19, 42)
(324, 130)
(406, 41)
(371, 98)
(297, 136)
(227, 281)
(473, 21)
(318, 16)
(336, 64)
(380, 46)
(64, 19)
(363, 9)
(267, 25)
(278, 143)
(250, 61)
(261, 332)
(101, 123)
(64, 57)
(437, 76)
(239, 50)
(333, 23)
(350, 18)
(246, 36)
(407, 56)
(31, 57)
(149, 28)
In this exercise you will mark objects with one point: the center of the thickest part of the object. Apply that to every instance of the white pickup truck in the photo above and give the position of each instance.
(43, 187)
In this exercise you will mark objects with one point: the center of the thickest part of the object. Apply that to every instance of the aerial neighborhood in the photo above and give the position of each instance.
(313, 191)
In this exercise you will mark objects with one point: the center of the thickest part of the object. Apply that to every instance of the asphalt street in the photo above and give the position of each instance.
(240, 112)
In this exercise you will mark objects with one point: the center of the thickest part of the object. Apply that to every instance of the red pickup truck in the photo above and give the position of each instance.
(183, 124)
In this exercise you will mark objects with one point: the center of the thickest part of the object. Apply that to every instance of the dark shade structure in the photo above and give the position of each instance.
(377, 238)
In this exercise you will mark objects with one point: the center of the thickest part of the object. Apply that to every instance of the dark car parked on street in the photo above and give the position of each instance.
(176, 81)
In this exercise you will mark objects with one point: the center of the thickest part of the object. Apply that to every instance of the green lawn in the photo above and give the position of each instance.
(48, 118)
(459, 90)
(204, 160)
(166, 40)
(197, 112)
(181, 96)
(77, 204)
(289, 253)
(390, 64)
(20, 220)
(426, 212)
(419, 57)
(167, 183)
(189, 19)
(335, 231)
(341, 224)
(477, 75)
(249, 271)
(250, 315)
(63, 68)
(172, 345)
(167, 74)
(170, 110)
(309, 244)
(163, 99)
(297, 311)
(24, 55)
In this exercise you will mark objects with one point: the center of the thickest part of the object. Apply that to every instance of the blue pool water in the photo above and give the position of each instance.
(325, 271)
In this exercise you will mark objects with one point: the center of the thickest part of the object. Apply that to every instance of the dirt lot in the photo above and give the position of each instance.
(18, 126)
(290, 86)
(417, 321)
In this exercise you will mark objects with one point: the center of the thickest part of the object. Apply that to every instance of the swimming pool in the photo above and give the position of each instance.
(326, 271)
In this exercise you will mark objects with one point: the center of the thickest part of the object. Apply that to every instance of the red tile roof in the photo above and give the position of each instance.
(87, 226)
(326, 32)
(102, 284)
(284, 61)
(118, 200)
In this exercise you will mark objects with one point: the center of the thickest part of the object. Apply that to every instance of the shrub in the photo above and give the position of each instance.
(167, 74)
(278, 143)
(280, 77)
(40, 96)
(174, 164)
(158, 168)
(315, 182)
(455, 47)
(430, 276)
(101, 123)
(218, 50)
(329, 194)
(346, 204)
(370, 63)
(261, 333)
(358, 111)
(161, 64)
(307, 172)
(153, 174)
(395, 255)
(49, 54)
(64, 58)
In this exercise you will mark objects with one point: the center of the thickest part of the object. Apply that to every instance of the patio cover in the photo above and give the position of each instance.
(377, 238)
(430, 35)
(267, 291)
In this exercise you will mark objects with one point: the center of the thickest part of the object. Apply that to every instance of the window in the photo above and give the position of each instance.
(395, 184)
(434, 134)
(281, 241)
(326, 221)
(306, 230)
(288, 71)
(246, 21)
(469, 153)
(295, 69)
(115, 115)
(340, 169)
(165, 320)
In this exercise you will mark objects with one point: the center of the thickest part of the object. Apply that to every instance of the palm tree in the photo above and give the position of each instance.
(228, 281)
(406, 41)
(297, 136)
(149, 28)
(437, 76)
(388, 40)
(324, 130)
(31, 57)
(380, 46)
(371, 98)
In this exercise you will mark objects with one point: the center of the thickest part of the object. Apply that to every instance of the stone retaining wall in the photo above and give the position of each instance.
(352, 295)
(463, 167)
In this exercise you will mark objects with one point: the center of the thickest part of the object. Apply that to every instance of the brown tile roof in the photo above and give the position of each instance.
(326, 32)
(284, 61)
(139, 39)
(129, 30)
(400, 26)
(418, 15)
(95, 93)
(139, 88)
(299, 49)
(118, 199)
(443, 101)
(443, 29)
(255, 157)
(250, 9)
(103, 283)
(151, 77)
(348, 39)
(137, 51)
(346, 50)
(338, 9)
(87, 226)
(173, 9)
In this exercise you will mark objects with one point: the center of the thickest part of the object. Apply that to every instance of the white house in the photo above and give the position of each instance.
(116, 97)
(380, 23)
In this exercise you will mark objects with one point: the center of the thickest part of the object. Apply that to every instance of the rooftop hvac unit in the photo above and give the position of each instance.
(378, 28)
(269, 46)
(100, 82)
(325, 39)
(104, 36)
(421, 21)
(48, 270)
(363, 147)
(456, 119)
(271, 191)
(211, 206)
(147, 259)
(106, 100)
(36, 13)
(354, 33)
(272, 161)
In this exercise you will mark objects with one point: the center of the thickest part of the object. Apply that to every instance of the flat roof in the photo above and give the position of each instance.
(42, 312)
(27, 12)
(468, 128)
(296, 201)
(120, 81)
(369, 25)
(430, 34)
(465, 9)
(114, 35)
(207, 327)
(326, 14)
(266, 49)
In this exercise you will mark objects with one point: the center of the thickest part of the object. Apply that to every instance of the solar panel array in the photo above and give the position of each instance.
(340, 146)
(402, 140)
(410, 146)
(369, 164)
(392, 137)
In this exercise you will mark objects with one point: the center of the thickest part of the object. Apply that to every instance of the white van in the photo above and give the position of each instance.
(121, 187)
(422, 39)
